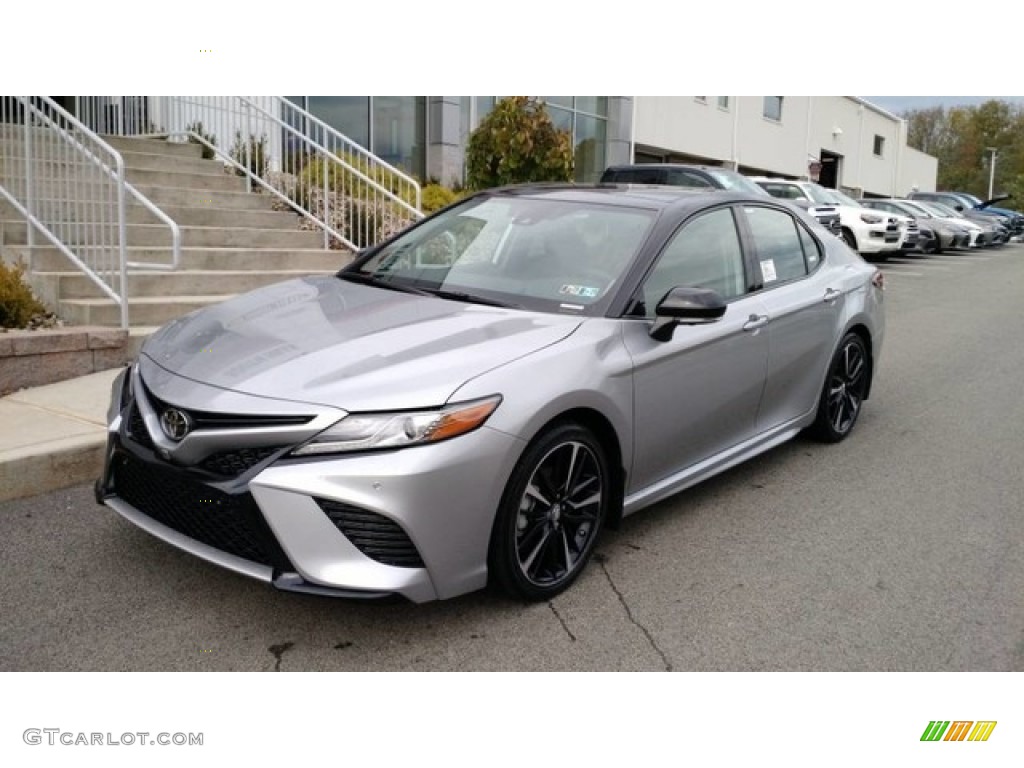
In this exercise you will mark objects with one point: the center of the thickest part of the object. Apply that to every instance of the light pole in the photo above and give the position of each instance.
(991, 170)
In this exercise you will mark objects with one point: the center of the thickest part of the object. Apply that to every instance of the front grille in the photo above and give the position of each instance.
(235, 463)
(211, 420)
(231, 523)
(378, 537)
(137, 428)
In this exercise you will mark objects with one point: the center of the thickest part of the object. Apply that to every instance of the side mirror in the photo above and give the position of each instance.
(686, 306)
(959, 208)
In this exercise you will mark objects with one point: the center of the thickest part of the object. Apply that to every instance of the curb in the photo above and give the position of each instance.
(42, 471)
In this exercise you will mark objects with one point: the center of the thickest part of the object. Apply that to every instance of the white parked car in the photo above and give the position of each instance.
(871, 233)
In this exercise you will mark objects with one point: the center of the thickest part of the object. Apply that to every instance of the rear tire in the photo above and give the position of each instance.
(550, 514)
(846, 385)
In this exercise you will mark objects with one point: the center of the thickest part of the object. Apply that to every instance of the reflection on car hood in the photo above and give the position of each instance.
(323, 340)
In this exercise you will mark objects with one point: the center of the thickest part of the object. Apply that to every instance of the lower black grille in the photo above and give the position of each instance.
(376, 536)
(229, 522)
(235, 463)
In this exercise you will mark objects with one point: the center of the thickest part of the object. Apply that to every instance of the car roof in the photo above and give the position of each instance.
(652, 196)
(684, 166)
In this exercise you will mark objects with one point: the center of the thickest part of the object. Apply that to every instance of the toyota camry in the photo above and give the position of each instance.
(477, 398)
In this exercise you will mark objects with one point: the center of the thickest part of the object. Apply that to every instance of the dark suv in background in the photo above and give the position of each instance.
(702, 177)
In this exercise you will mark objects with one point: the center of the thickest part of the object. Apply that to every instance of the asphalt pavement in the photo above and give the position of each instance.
(901, 548)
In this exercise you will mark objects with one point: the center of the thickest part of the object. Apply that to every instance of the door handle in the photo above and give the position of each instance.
(754, 322)
(831, 295)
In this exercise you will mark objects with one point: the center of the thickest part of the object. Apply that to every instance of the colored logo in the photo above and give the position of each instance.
(958, 730)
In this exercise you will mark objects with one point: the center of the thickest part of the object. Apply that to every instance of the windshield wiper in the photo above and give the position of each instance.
(472, 298)
(365, 279)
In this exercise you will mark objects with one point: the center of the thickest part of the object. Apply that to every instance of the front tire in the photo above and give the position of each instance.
(550, 514)
(846, 385)
(849, 239)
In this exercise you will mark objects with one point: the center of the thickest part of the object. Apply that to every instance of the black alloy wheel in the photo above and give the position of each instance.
(550, 514)
(845, 388)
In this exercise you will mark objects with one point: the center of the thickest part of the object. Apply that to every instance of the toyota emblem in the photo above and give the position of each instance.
(175, 423)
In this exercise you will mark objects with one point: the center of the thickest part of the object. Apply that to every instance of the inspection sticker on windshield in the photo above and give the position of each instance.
(583, 291)
(768, 270)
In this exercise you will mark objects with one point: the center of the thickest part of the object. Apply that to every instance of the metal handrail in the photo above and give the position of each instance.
(353, 196)
(355, 148)
(82, 177)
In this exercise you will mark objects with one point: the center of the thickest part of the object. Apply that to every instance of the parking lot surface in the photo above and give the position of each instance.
(901, 548)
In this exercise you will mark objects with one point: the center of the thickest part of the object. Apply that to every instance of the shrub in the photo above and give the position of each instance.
(435, 197)
(18, 305)
(197, 128)
(251, 154)
(340, 180)
(517, 143)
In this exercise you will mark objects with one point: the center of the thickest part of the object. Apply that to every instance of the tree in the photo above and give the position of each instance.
(517, 143)
(961, 138)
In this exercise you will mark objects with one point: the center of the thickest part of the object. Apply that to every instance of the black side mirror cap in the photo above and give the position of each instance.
(684, 305)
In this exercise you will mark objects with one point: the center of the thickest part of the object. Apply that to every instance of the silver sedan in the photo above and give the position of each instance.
(475, 399)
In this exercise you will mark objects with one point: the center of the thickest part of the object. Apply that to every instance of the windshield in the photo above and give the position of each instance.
(915, 208)
(975, 202)
(533, 252)
(943, 210)
(843, 199)
(731, 180)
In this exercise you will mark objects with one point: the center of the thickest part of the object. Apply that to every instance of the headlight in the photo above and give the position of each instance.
(370, 431)
(870, 218)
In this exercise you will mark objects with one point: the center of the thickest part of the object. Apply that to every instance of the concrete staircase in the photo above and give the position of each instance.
(232, 241)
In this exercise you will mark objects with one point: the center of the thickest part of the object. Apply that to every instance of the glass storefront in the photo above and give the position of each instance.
(392, 127)
(585, 117)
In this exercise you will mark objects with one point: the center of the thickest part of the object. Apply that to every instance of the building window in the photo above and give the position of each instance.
(392, 127)
(399, 131)
(773, 108)
(723, 102)
(879, 145)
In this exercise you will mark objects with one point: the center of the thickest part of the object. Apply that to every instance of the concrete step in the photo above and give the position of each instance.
(49, 259)
(198, 215)
(225, 199)
(14, 139)
(210, 216)
(159, 235)
(61, 286)
(90, 183)
(154, 146)
(64, 161)
(162, 197)
(146, 310)
(200, 181)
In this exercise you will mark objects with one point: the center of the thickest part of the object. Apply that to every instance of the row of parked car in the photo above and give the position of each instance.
(928, 222)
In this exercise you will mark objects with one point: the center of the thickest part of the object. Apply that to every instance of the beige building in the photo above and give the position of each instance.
(842, 141)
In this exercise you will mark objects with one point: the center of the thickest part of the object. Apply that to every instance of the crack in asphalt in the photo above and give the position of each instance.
(279, 651)
(562, 621)
(631, 617)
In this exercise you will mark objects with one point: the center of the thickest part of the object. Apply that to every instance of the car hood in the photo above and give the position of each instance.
(357, 347)
(988, 203)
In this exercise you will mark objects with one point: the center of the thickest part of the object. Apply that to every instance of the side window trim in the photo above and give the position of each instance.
(750, 247)
(741, 241)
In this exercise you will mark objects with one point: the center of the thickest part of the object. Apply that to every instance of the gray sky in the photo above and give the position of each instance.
(898, 104)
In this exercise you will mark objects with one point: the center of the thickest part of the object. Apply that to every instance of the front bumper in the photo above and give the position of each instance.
(414, 522)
